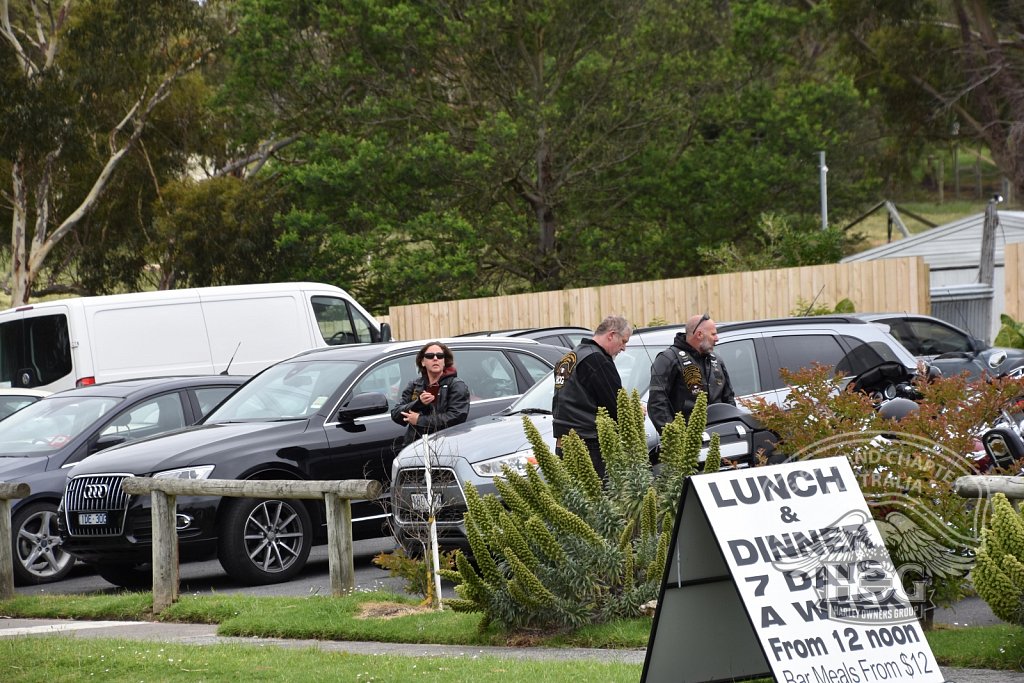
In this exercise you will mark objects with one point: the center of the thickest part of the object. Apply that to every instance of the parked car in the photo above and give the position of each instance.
(948, 348)
(567, 337)
(323, 414)
(13, 400)
(41, 442)
(753, 352)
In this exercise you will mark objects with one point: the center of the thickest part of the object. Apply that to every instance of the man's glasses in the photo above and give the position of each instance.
(434, 356)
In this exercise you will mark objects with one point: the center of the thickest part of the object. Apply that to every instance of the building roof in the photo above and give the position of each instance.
(953, 245)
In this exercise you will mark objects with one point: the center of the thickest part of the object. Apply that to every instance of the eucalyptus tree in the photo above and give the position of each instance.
(453, 148)
(947, 70)
(83, 83)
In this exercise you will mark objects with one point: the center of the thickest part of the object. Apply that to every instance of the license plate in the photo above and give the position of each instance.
(92, 518)
(419, 503)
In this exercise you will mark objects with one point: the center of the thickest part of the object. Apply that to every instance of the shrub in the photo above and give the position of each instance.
(905, 469)
(1011, 333)
(561, 548)
(999, 569)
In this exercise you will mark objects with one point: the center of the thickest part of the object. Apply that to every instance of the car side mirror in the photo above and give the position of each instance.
(362, 405)
(105, 442)
(385, 332)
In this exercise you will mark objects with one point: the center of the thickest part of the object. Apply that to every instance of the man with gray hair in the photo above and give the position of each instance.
(585, 379)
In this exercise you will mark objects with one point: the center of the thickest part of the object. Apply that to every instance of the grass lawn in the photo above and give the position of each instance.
(387, 617)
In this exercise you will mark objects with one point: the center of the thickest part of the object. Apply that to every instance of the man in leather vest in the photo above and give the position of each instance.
(686, 368)
(585, 379)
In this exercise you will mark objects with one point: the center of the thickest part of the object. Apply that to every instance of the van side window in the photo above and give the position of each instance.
(340, 323)
(34, 351)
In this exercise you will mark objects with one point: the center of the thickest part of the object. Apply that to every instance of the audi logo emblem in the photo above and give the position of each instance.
(95, 491)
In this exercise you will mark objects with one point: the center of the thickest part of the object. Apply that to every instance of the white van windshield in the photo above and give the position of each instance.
(34, 351)
(286, 391)
(47, 425)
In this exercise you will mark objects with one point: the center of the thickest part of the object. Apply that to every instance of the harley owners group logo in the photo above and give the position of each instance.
(854, 578)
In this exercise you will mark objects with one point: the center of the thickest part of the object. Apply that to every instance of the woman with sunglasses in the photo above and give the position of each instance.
(434, 400)
(686, 368)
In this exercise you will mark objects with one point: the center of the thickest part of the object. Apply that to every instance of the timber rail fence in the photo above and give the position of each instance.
(336, 494)
(987, 485)
(8, 492)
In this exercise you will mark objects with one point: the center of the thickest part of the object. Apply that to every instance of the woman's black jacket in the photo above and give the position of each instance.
(450, 408)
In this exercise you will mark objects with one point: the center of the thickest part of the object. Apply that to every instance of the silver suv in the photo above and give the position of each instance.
(754, 352)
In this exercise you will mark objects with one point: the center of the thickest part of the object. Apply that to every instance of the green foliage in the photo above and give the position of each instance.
(778, 241)
(810, 308)
(999, 569)
(906, 467)
(1011, 333)
(414, 570)
(592, 550)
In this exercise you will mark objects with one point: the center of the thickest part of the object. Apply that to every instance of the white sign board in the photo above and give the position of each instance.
(792, 548)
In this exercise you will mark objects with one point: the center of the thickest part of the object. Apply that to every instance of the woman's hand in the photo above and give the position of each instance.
(426, 398)
(411, 416)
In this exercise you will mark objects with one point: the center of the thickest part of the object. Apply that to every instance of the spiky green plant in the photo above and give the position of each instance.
(569, 548)
(999, 566)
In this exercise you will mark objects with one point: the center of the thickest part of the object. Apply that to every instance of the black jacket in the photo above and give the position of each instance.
(585, 378)
(450, 408)
(678, 374)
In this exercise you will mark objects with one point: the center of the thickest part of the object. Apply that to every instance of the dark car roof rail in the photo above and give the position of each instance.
(794, 321)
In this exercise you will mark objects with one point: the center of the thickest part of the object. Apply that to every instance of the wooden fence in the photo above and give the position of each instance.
(900, 284)
(336, 494)
(8, 492)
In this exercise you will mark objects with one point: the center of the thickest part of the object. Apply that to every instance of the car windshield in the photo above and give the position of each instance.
(286, 391)
(634, 365)
(49, 424)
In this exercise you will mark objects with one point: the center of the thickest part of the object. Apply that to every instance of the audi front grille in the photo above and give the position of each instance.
(410, 493)
(95, 505)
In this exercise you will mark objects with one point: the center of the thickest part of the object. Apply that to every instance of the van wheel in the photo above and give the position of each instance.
(264, 541)
(134, 576)
(38, 556)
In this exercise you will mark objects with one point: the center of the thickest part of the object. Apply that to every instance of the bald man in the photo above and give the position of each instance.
(687, 367)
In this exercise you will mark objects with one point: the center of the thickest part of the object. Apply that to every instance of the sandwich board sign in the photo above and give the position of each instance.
(781, 571)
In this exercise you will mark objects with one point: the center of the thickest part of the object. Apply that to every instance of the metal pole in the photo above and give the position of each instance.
(823, 172)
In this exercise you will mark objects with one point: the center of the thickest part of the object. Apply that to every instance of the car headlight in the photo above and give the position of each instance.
(198, 472)
(517, 461)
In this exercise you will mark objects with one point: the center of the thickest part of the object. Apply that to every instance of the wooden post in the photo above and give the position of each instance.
(339, 544)
(8, 490)
(337, 496)
(165, 551)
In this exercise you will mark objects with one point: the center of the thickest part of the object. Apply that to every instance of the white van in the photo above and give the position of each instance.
(61, 344)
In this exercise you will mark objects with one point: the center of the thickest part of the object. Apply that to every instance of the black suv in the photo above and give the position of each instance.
(323, 414)
(40, 443)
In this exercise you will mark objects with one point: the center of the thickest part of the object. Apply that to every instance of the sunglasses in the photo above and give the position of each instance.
(434, 356)
(704, 318)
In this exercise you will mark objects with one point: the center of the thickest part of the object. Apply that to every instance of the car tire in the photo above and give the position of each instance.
(36, 545)
(133, 576)
(264, 541)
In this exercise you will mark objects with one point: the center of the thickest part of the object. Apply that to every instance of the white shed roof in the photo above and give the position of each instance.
(953, 245)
